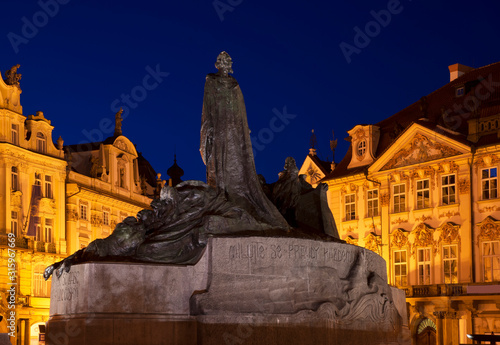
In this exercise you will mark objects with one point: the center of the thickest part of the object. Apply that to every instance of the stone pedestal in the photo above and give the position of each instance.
(250, 290)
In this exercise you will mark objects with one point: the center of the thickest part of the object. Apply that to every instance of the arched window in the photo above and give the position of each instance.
(41, 142)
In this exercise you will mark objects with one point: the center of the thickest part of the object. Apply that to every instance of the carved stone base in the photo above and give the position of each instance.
(244, 290)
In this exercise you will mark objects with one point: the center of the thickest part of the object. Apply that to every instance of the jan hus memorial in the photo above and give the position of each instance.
(231, 261)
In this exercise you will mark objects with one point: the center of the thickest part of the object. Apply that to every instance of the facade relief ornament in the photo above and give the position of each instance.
(385, 199)
(122, 145)
(463, 186)
(399, 221)
(423, 237)
(96, 220)
(420, 149)
(423, 218)
(16, 200)
(486, 161)
(489, 229)
(399, 238)
(71, 215)
(373, 242)
(351, 240)
(448, 214)
(421, 173)
(489, 209)
(447, 167)
(450, 233)
(313, 174)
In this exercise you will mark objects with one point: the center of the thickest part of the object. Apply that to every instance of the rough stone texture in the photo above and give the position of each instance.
(244, 290)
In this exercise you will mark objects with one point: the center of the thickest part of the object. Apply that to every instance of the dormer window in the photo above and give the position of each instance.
(362, 148)
(459, 91)
(41, 143)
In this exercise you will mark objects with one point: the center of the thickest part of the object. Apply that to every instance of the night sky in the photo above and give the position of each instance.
(313, 65)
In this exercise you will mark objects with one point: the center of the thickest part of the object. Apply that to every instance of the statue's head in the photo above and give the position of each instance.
(224, 64)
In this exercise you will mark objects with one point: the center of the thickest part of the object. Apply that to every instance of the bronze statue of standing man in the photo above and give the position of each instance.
(226, 147)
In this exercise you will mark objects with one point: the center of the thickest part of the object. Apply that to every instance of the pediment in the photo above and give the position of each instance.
(125, 144)
(311, 170)
(418, 145)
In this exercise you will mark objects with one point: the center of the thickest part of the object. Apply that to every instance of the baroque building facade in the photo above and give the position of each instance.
(54, 200)
(420, 188)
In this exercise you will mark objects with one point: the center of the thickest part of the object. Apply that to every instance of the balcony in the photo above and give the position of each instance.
(437, 290)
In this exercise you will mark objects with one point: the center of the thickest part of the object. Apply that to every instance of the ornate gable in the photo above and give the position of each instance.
(420, 149)
(489, 229)
(373, 242)
(399, 238)
(423, 237)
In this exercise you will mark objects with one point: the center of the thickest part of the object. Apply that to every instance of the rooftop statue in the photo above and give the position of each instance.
(177, 227)
(12, 77)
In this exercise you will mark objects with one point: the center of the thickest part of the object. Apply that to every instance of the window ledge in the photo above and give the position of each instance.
(485, 201)
(443, 206)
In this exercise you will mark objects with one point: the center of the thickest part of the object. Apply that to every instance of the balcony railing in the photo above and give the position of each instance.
(440, 289)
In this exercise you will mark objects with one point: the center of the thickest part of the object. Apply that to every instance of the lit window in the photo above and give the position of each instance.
(350, 207)
(49, 234)
(14, 223)
(424, 266)
(361, 147)
(15, 134)
(41, 288)
(489, 183)
(400, 271)
(423, 194)
(14, 179)
(399, 198)
(491, 261)
(48, 186)
(450, 264)
(83, 212)
(448, 188)
(372, 203)
(105, 218)
(41, 142)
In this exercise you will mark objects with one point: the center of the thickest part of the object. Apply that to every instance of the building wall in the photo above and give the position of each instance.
(38, 161)
(458, 297)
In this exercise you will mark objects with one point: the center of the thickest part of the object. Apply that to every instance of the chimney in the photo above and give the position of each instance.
(457, 70)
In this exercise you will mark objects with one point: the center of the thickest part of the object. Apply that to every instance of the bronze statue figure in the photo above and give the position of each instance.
(176, 228)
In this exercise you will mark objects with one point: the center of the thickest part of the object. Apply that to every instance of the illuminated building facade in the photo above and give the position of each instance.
(54, 200)
(421, 189)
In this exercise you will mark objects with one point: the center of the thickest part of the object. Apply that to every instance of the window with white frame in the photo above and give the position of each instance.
(48, 186)
(399, 198)
(372, 198)
(41, 288)
(450, 264)
(350, 207)
(448, 190)
(83, 211)
(491, 261)
(105, 218)
(361, 148)
(424, 266)
(41, 142)
(423, 194)
(489, 183)
(14, 134)
(400, 268)
(14, 174)
(49, 231)
(14, 223)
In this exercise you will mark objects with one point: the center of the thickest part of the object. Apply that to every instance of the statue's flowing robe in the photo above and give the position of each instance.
(226, 149)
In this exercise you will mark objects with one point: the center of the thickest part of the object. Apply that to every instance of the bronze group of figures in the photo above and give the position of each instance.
(235, 200)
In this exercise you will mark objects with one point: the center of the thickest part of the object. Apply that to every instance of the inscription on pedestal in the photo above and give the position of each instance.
(68, 287)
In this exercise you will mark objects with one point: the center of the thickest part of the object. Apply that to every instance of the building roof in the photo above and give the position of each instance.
(442, 111)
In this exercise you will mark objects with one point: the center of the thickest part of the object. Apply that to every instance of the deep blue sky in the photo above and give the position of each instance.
(286, 54)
